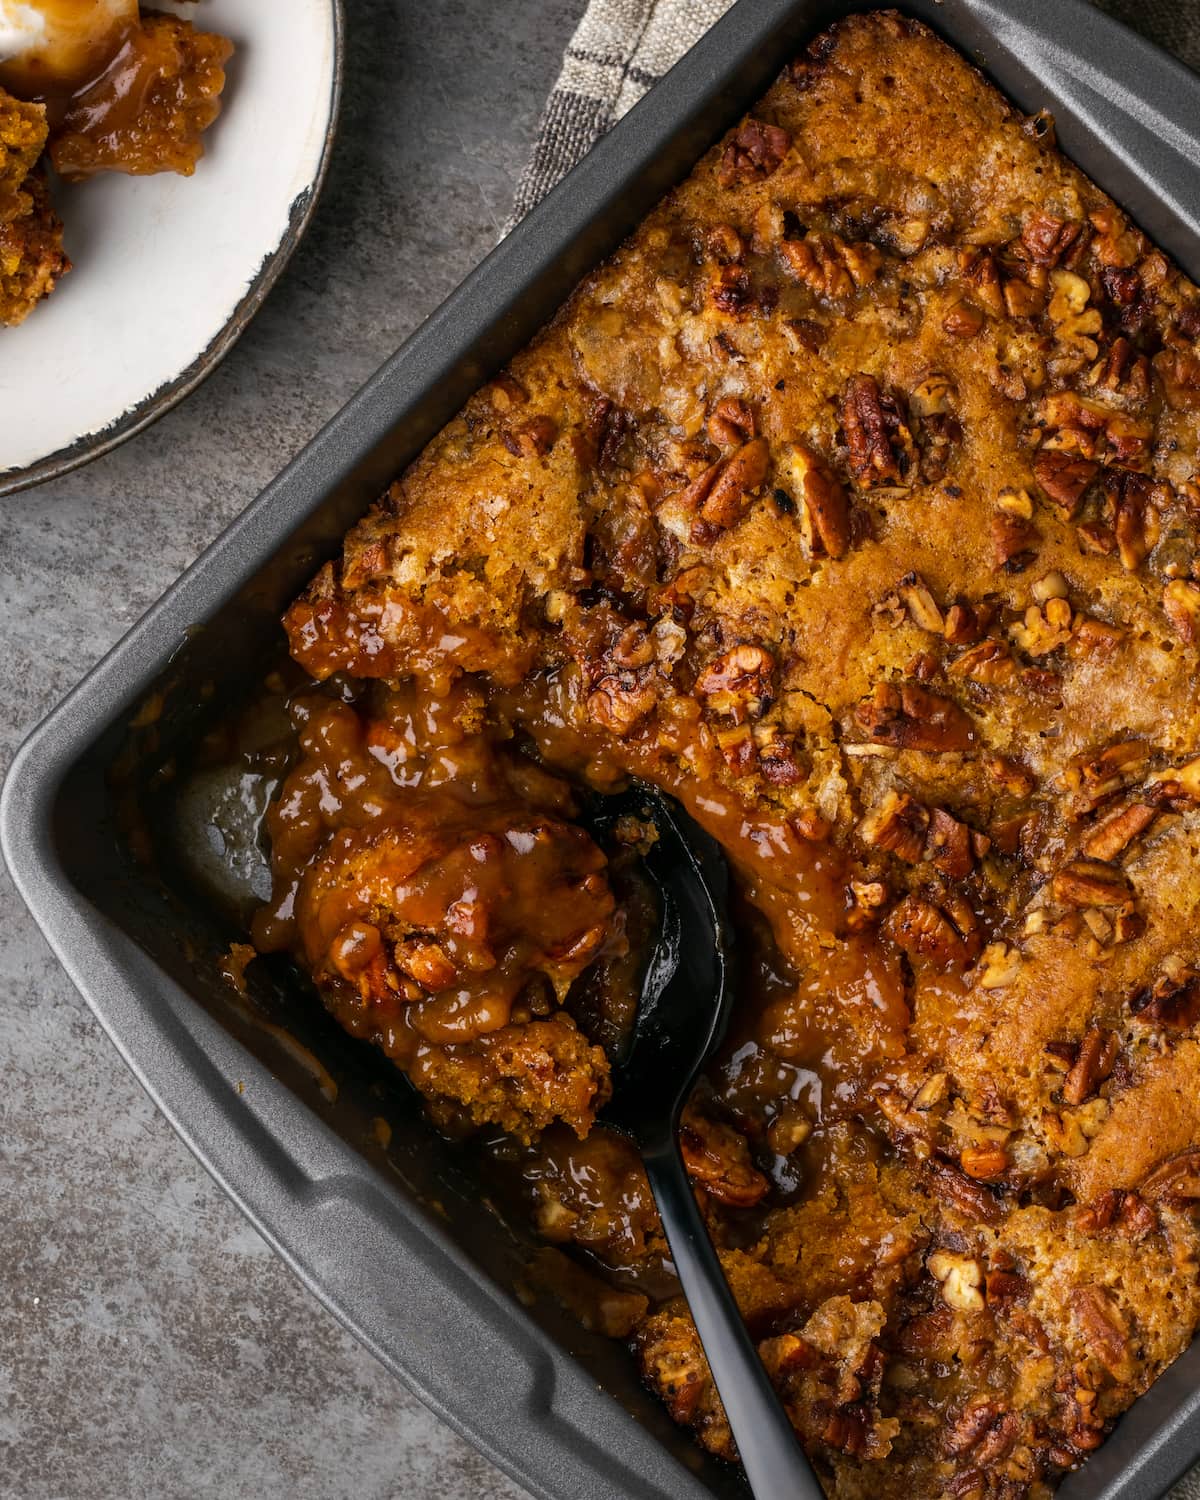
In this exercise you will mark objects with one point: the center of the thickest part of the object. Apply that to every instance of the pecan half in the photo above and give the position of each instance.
(734, 480)
(877, 436)
(1176, 1181)
(984, 1163)
(1097, 1054)
(753, 153)
(1114, 836)
(1047, 239)
(910, 717)
(922, 929)
(899, 825)
(826, 510)
(1091, 882)
(1172, 1001)
(828, 266)
(1100, 1321)
(1063, 477)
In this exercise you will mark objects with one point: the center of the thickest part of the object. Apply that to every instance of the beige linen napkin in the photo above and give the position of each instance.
(622, 47)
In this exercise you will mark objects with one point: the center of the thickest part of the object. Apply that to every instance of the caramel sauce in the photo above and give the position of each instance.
(83, 40)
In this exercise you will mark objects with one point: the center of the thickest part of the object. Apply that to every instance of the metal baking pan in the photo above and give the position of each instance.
(395, 1243)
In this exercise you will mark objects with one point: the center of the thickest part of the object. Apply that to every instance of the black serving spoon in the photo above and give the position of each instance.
(682, 1016)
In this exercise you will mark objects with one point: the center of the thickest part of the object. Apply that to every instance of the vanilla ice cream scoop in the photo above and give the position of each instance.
(51, 46)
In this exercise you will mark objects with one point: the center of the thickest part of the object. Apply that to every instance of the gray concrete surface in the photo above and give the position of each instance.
(151, 1346)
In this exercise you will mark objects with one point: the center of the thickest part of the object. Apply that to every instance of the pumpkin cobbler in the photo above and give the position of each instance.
(855, 503)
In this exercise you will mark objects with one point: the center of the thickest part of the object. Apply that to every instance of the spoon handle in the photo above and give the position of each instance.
(771, 1454)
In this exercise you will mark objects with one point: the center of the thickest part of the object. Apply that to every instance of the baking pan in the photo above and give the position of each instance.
(394, 1240)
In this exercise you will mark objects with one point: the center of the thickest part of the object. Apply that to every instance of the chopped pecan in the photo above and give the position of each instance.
(1173, 1001)
(909, 717)
(737, 477)
(755, 151)
(999, 965)
(828, 266)
(1176, 1181)
(1126, 1212)
(922, 929)
(1097, 1054)
(963, 320)
(1102, 1326)
(740, 682)
(1004, 1286)
(732, 422)
(949, 845)
(1179, 783)
(877, 436)
(962, 626)
(1114, 837)
(825, 516)
(990, 662)
(725, 244)
(1075, 324)
(732, 291)
(1091, 882)
(1044, 628)
(532, 439)
(984, 1163)
(1127, 500)
(778, 759)
(899, 825)
(1093, 776)
(423, 960)
(1049, 240)
(957, 1191)
(1063, 477)
(718, 1160)
(1181, 602)
(621, 700)
(1012, 541)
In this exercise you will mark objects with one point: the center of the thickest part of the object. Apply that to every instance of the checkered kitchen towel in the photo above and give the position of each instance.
(622, 47)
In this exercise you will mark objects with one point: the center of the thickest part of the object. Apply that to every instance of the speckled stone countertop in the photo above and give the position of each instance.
(151, 1346)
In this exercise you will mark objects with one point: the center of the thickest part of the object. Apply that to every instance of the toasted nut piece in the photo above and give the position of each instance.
(1052, 586)
(1114, 836)
(957, 1191)
(739, 682)
(1048, 240)
(718, 1160)
(909, 717)
(898, 825)
(984, 1163)
(963, 320)
(990, 662)
(1176, 1181)
(1017, 503)
(754, 153)
(1180, 781)
(877, 436)
(948, 847)
(1103, 1327)
(1097, 1054)
(826, 510)
(999, 965)
(1064, 478)
(737, 478)
(1172, 1001)
(731, 423)
(961, 1280)
(1091, 882)
(1181, 601)
(913, 589)
(921, 928)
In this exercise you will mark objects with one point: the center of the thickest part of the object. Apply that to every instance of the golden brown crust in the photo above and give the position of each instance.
(32, 257)
(856, 501)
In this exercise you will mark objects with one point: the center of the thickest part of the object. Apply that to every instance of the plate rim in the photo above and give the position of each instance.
(168, 395)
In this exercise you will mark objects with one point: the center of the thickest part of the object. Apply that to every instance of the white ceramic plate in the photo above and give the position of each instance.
(169, 270)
